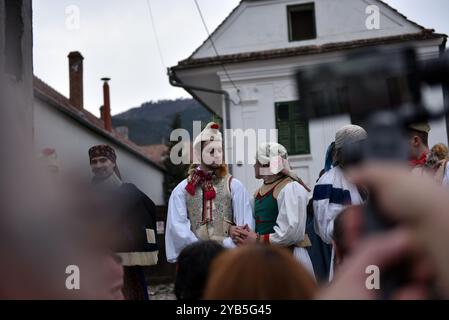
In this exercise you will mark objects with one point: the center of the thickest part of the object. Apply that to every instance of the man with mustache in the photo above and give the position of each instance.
(209, 204)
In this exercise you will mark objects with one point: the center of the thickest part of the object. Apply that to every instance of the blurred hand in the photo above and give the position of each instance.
(383, 251)
(404, 196)
(419, 204)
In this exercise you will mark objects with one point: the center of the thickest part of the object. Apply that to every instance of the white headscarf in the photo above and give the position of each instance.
(349, 134)
(276, 155)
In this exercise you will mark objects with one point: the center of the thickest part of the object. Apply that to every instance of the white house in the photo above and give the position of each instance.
(262, 43)
(64, 125)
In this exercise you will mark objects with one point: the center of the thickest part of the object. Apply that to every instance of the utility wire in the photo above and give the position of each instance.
(215, 49)
(158, 45)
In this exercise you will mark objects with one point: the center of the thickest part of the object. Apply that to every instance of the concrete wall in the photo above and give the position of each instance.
(72, 141)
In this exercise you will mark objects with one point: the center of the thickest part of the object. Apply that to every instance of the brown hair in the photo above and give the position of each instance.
(221, 171)
(440, 151)
(260, 272)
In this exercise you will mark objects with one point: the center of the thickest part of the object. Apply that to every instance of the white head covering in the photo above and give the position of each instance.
(210, 133)
(349, 134)
(276, 155)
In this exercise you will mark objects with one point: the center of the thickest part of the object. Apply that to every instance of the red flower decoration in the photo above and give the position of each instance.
(215, 126)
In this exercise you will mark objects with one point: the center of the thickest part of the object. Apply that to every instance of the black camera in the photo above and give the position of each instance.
(371, 81)
(381, 89)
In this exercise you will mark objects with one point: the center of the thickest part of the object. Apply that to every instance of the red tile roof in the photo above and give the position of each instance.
(87, 119)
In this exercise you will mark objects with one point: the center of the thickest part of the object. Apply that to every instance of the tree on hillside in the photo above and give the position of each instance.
(175, 173)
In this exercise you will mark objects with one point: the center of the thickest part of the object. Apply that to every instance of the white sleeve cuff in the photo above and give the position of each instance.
(228, 243)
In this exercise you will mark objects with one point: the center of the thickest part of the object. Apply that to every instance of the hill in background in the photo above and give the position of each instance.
(151, 122)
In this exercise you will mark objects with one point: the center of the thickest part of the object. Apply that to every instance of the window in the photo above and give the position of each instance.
(293, 128)
(301, 22)
(13, 38)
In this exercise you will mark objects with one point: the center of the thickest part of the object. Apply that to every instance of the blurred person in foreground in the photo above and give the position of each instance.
(419, 206)
(347, 233)
(333, 191)
(280, 205)
(258, 272)
(192, 269)
(56, 244)
(135, 220)
(210, 203)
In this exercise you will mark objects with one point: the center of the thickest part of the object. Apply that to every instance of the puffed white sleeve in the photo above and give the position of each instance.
(242, 209)
(291, 221)
(178, 232)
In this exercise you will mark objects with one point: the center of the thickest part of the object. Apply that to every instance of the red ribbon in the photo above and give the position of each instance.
(418, 162)
(203, 179)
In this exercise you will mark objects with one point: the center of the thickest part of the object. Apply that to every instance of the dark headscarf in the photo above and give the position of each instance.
(106, 151)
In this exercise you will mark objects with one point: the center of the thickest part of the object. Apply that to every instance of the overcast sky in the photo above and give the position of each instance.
(117, 41)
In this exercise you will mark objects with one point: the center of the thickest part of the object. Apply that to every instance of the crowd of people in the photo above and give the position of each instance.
(279, 244)
(284, 242)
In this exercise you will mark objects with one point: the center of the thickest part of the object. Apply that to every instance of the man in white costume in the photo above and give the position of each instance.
(280, 205)
(210, 204)
(333, 192)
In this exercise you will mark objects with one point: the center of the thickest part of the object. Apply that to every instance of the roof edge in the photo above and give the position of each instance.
(425, 34)
(43, 91)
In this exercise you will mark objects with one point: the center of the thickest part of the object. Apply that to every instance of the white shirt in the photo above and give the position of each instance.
(179, 234)
(291, 221)
(330, 202)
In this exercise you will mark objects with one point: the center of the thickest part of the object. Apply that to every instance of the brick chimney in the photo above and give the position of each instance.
(76, 79)
(106, 105)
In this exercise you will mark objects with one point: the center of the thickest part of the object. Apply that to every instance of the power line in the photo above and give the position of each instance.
(215, 49)
(158, 45)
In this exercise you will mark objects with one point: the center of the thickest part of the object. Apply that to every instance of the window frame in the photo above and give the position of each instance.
(292, 148)
(301, 7)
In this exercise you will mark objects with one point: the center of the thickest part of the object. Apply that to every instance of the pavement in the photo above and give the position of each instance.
(162, 292)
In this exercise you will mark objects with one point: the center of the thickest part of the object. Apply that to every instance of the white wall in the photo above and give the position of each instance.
(72, 141)
(260, 114)
(263, 25)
